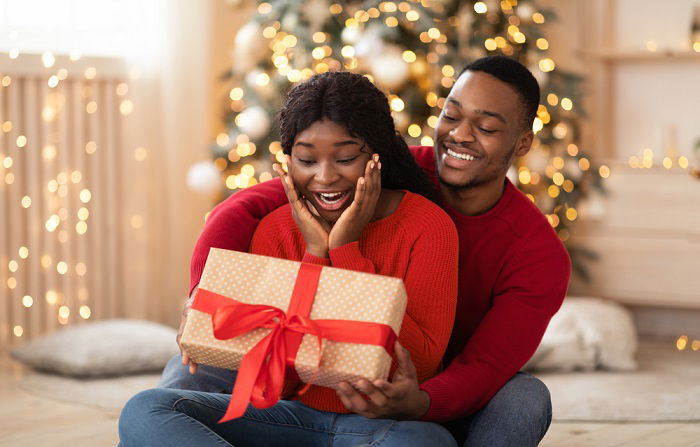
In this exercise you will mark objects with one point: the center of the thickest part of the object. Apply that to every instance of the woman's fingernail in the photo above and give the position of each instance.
(362, 180)
(371, 165)
(376, 157)
(379, 166)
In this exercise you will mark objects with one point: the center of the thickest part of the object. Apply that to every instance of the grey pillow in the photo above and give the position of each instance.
(101, 348)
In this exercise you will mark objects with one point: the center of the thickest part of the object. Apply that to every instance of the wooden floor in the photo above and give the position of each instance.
(29, 420)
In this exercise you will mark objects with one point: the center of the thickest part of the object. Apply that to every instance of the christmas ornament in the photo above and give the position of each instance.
(389, 69)
(254, 122)
(203, 177)
(249, 47)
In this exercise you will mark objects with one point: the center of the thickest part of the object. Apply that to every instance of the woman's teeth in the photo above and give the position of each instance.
(331, 198)
(459, 156)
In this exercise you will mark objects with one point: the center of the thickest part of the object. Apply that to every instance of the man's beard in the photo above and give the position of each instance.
(476, 181)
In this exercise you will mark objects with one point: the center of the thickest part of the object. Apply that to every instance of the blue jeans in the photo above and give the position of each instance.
(518, 415)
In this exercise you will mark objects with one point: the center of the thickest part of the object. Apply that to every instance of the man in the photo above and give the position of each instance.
(513, 271)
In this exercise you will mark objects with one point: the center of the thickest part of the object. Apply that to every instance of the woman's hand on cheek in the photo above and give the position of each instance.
(355, 218)
(314, 229)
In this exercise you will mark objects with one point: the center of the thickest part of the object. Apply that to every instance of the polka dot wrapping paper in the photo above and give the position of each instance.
(341, 295)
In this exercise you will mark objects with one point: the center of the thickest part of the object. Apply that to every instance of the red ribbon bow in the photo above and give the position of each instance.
(261, 373)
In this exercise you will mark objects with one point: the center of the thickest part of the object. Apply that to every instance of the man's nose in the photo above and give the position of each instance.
(463, 132)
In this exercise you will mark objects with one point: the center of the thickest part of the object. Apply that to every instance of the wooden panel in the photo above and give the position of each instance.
(648, 239)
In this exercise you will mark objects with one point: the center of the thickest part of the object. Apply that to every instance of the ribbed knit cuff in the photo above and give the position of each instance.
(313, 259)
(437, 400)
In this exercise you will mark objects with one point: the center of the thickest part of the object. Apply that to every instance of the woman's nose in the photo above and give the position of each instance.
(326, 174)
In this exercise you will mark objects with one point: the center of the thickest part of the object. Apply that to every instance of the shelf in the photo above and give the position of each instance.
(642, 55)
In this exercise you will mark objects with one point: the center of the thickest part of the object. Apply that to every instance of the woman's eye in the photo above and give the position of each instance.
(347, 160)
(489, 131)
(305, 162)
(448, 117)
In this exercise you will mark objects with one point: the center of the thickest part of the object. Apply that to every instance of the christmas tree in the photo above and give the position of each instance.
(413, 50)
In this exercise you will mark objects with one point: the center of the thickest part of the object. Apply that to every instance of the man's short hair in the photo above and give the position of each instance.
(517, 76)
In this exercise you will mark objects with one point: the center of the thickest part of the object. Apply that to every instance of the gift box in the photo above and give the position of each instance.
(274, 319)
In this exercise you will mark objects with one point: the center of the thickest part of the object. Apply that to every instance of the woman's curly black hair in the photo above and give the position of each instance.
(351, 100)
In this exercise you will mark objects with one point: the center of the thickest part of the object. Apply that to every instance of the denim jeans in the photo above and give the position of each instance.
(518, 415)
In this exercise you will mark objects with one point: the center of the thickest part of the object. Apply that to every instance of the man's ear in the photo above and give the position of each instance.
(524, 143)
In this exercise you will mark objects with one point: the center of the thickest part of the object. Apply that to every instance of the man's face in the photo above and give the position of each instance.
(479, 132)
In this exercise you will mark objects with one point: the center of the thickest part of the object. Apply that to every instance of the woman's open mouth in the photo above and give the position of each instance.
(331, 201)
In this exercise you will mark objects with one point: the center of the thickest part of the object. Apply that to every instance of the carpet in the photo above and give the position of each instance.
(106, 393)
(665, 388)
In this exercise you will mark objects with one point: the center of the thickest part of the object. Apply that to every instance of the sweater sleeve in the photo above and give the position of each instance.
(431, 287)
(350, 257)
(529, 291)
(232, 223)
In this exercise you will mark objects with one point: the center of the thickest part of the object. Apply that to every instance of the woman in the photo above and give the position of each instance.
(357, 201)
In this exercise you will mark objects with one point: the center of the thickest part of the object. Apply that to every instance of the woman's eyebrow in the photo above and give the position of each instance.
(336, 144)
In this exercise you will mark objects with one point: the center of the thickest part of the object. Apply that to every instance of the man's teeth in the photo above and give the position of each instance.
(331, 197)
(454, 154)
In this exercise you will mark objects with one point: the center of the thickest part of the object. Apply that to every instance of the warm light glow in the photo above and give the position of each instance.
(222, 139)
(538, 18)
(122, 89)
(23, 252)
(537, 125)
(126, 107)
(397, 104)
(412, 16)
(90, 147)
(264, 8)
(48, 60)
(667, 163)
(651, 46)
(414, 130)
(682, 342)
(546, 65)
(11, 283)
(90, 73)
(335, 8)
(263, 79)
(80, 268)
(604, 171)
(572, 149)
(85, 312)
(558, 178)
(584, 164)
(62, 268)
(347, 51)
(52, 223)
(519, 37)
(85, 195)
(553, 191)
(27, 301)
(480, 7)
(524, 177)
(490, 44)
(571, 214)
(81, 227)
(269, 32)
(18, 331)
(409, 56)
(7, 162)
(683, 162)
(91, 107)
(140, 153)
(426, 141)
(12, 266)
(542, 43)
(51, 297)
(83, 213)
(136, 221)
(566, 104)
(63, 311)
(46, 261)
(248, 170)
(392, 22)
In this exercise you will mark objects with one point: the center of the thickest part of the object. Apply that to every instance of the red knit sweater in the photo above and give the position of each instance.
(417, 243)
(513, 274)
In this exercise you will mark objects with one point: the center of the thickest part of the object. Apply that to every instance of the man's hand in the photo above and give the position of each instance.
(186, 310)
(400, 399)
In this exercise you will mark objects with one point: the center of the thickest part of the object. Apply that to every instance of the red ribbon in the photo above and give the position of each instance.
(261, 373)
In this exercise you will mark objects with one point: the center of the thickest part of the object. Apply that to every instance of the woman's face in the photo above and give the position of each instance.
(326, 163)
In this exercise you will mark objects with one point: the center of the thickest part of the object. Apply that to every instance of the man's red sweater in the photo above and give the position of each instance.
(513, 275)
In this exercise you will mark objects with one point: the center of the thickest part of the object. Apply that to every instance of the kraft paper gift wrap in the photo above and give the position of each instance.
(340, 295)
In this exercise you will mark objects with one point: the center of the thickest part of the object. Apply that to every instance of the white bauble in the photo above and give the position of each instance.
(389, 69)
(249, 47)
(203, 177)
(254, 122)
(316, 13)
(370, 43)
(524, 11)
(350, 36)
